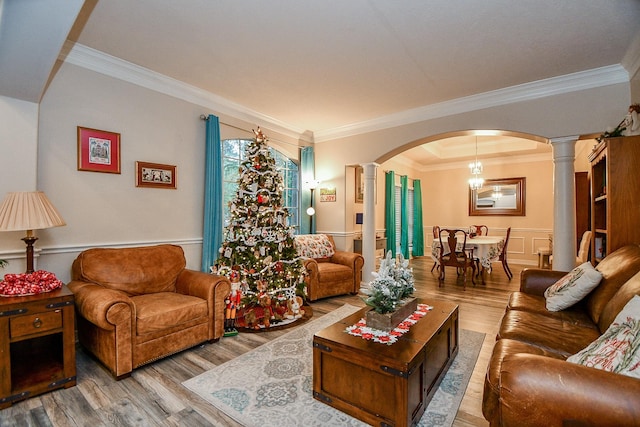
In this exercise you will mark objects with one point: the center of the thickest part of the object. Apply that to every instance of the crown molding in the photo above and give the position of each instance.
(100, 62)
(631, 59)
(94, 60)
(582, 80)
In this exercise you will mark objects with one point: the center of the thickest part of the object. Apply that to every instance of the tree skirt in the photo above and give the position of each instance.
(272, 384)
(276, 325)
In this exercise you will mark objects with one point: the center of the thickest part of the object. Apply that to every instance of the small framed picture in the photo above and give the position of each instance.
(98, 150)
(359, 184)
(327, 194)
(155, 175)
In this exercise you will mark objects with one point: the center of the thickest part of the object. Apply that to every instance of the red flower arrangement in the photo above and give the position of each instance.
(29, 283)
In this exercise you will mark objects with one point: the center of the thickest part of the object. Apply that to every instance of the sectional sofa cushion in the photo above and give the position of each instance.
(572, 287)
(618, 349)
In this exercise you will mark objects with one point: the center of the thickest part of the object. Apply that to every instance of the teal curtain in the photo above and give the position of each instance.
(404, 216)
(307, 173)
(390, 211)
(212, 233)
(418, 228)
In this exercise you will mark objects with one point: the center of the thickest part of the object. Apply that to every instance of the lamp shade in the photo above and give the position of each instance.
(30, 210)
(359, 218)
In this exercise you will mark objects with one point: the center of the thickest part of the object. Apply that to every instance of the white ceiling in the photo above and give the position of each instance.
(324, 65)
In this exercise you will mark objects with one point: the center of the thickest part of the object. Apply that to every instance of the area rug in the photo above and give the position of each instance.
(272, 384)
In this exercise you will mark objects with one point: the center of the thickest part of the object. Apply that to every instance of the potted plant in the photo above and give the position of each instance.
(389, 294)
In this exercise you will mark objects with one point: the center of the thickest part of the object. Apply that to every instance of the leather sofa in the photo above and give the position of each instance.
(137, 305)
(528, 380)
(330, 272)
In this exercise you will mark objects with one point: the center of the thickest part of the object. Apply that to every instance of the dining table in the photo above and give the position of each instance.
(485, 248)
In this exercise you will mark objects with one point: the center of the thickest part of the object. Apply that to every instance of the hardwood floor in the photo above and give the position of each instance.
(154, 395)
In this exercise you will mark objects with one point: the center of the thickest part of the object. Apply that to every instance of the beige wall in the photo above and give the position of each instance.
(18, 168)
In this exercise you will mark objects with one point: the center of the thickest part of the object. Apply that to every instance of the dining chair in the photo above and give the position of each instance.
(458, 256)
(503, 256)
(436, 233)
(583, 249)
(480, 230)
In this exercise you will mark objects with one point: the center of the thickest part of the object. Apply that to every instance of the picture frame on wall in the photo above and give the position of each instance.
(156, 175)
(98, 150)
(359, 184)
(327, 194)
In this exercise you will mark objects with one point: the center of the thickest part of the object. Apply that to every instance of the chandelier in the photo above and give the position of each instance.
(496, 192)
(476, 181)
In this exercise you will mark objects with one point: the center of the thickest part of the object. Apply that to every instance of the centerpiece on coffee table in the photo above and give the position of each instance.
(390, 294)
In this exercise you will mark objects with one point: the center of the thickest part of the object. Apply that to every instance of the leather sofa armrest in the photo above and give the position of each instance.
(203, 285)
(103, 307)
(537, 390)
(210, 287)
(535, 280)
(311, 265)
(350, 259)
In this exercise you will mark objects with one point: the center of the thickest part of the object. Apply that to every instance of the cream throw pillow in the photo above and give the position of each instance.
(618, 349)
(572, 287)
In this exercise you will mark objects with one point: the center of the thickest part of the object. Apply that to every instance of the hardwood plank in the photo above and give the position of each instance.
(154, 395)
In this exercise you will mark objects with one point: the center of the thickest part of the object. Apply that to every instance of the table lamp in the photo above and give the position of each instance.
(28, 211)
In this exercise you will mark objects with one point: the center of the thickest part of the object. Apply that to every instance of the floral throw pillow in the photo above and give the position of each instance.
(314, 246)
(572, 287)
(618, 349)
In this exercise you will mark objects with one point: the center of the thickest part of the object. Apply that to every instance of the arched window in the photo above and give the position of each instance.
(233, 153)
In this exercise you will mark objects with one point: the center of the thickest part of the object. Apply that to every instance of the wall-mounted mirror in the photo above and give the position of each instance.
(504, 197)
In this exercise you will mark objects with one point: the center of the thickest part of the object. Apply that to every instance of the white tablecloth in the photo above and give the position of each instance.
(485, 248)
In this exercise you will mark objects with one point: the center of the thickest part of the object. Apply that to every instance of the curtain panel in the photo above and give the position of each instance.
(212, 224)
(390, 211)
(404, 216)
(418, 228)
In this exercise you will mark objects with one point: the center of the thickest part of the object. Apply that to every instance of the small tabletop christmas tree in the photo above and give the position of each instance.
(258, 253)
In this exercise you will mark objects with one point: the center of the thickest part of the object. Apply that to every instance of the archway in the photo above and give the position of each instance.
(534, 149)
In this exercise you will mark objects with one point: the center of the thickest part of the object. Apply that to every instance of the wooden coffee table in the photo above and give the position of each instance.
(380, 384)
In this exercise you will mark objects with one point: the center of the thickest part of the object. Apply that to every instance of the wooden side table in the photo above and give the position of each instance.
(37, 345)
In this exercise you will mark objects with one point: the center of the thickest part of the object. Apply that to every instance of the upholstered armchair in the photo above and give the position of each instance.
(330, 272)
(137, 305)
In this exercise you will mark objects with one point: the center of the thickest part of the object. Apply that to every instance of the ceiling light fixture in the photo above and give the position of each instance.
(496, 192)
(476, 181)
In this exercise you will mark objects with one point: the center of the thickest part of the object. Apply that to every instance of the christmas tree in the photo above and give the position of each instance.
(258, 253)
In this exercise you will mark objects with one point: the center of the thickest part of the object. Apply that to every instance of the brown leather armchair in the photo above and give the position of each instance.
(329, 272)
(137, 305)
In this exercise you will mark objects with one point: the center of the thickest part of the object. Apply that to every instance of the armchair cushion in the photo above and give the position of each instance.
(314, 246)
(155, 269)
(163, 310)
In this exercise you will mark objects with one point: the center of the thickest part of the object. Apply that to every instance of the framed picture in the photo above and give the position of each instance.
(359, 184)
(327, 194)
(98, 150)
(155, 175)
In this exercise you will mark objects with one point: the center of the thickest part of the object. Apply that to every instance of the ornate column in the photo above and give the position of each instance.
(369, 221)
(564, 203)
